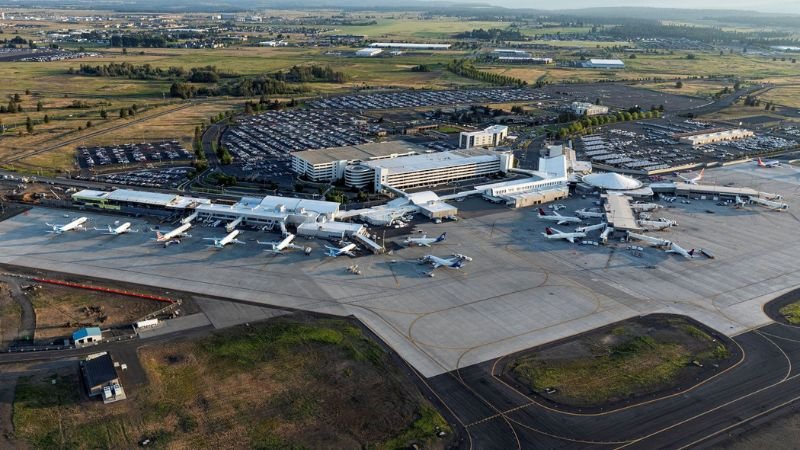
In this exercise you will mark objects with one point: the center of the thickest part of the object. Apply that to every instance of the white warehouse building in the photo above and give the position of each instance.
(433, 169)
(335, 163)
(489, 137)
(368, 52)
(588, 109)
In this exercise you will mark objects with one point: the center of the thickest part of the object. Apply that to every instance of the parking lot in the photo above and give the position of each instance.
(41, 54)
(616, 95)
(140, 153)
(261, 144)
(650, 145)
(160, 178)
(418, 99)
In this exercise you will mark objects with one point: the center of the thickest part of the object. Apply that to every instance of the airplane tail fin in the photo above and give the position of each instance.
(691, 252)
(702, 172)
(442, 237)
(548, 231)
(541, 212)
(458, 264)
(159, 235)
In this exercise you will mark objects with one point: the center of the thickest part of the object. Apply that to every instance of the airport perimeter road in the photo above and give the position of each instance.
(497, 416)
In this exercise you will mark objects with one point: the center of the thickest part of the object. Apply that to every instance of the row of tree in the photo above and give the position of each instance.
(207, 74)
(465, 69)
(579, 126)
(140, 40)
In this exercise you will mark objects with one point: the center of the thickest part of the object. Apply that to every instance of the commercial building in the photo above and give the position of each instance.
(713, 136)
(330, 164)
(547, 184)
(271, 211)
(439, 168)
(489, 137)
(524, 60)
(410, 46)
(125, 199)
(588, 109)
(87, 335)
(619, 213)
(101, 379)
(368, 52)
(603, 64)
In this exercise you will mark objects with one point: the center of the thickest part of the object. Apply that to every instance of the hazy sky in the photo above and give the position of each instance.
(752, 5)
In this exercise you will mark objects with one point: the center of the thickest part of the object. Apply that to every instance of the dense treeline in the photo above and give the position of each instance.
(141, 40)
(279, 83)
(493, 34)
(644, 28)
(465, 69)
(207, 74)
(314, 73)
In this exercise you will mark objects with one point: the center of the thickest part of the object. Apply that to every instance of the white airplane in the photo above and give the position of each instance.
(283, 244)
(552, 233)
(424, 240)
(693, 180)
(76, 224)
(768, 164)
(589, 228)
(675, 248)
(122, 229)
(587, 214)
(230, 238)
(339, 251)
(740, 202)
(656, 225)
(558, 218)
(456, 262)
(173, 235)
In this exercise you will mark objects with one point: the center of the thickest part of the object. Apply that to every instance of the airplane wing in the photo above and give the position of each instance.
(570, 239)
(562, 222)
(424, 244)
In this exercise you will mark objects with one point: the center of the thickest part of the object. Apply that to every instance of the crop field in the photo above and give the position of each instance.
(418, 29)
(302, 383)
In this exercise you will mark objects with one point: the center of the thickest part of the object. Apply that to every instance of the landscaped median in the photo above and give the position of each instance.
(621, 364)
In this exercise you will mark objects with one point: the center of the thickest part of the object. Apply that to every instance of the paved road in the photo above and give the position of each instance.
(495, 415)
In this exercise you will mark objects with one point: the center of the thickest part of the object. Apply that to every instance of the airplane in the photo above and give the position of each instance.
(692, 180)
(230, 238)
(586, 214)
(589, 228)
(552, 233)
(339, 251)
(278, 247)
(122, 229)
(424, 240)
(656, 225)
(558, 218)
(173, 235)
(675, 248)
(604, 235)
(740, 202)
(768, 164)
(76, 224)
(456, 262)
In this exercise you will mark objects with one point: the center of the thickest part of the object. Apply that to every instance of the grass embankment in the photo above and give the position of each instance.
(791, 313)
(287, 384)
(627, 361)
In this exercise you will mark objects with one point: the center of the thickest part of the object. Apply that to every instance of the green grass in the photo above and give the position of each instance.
(791, 313)
(425, 428)
(637, 363)
(418, 30)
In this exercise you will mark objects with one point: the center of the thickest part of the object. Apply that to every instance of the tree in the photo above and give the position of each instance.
(29, 124)
(633, 56)
(679, 84)
(17, 98)
(46, 118)
(103, 114)
(88, 124)
(690, 56)
(27, 92)
(39, 106)
(123, 113)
